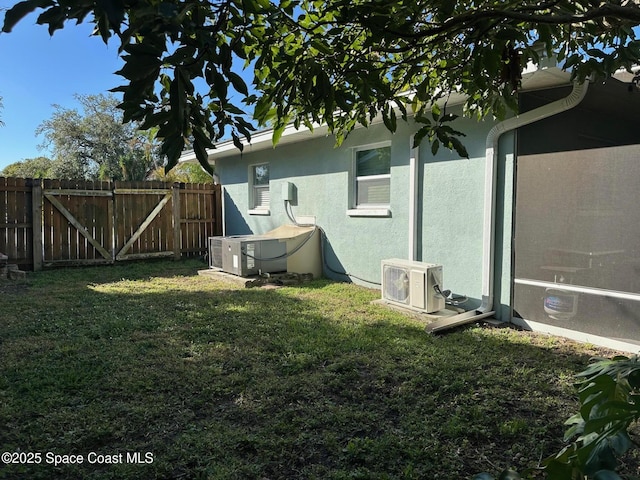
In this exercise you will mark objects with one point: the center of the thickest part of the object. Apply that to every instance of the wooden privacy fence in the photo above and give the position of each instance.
(46, 223)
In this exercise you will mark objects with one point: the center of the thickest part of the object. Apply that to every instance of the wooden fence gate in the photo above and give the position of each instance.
(60, 222)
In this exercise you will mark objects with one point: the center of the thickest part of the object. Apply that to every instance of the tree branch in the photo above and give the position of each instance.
(470, 19)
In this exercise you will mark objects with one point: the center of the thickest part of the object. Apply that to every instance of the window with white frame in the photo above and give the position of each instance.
(259, 187)
(372, 172)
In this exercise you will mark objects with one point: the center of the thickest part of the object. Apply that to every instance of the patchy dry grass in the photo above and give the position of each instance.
(219, 382)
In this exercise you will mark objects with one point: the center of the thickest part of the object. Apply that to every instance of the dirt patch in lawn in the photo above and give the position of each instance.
(11, 287)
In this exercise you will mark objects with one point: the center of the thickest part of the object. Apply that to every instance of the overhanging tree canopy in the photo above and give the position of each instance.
(338, 62)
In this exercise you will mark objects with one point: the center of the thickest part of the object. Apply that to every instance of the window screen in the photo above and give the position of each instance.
(260, 186)
(577, 247)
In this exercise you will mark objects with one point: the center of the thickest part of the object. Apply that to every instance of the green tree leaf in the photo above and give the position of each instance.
(277, 133)
(606, 475)
(238, 83)
(21, 10)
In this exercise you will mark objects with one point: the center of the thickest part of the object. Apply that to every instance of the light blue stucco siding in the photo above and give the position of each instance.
(321, 175)
(503, 281)
(450, 202)
(452, 211)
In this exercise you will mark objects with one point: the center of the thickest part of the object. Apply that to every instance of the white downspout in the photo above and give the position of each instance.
(491, 160)
(486, 309)
(224, 210)
(413, 201)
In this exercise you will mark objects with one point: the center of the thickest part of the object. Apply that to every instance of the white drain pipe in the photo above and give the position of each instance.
(491, 161)
(413, 200)
(486, 309)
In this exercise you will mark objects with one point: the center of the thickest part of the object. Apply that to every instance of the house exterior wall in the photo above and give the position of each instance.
(452, 210)
(449, 215)
(320, 173)
(450, 199)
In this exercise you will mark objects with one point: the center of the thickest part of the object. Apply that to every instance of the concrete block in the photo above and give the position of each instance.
(17, 274)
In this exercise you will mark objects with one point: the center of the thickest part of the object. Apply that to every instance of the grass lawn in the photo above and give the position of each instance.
(205, 380)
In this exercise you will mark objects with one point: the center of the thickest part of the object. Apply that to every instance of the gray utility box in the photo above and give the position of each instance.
(252, 255)
(215, 248)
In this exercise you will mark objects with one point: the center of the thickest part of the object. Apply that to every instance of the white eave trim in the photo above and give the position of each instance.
(259, 141)
(534, 78)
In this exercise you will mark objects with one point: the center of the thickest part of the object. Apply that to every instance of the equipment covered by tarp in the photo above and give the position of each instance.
(304, 242)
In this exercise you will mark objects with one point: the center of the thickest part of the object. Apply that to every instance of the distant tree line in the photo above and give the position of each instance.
(95, 144)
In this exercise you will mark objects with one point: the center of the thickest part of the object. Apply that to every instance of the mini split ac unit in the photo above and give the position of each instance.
(247, 255)
(414, 285)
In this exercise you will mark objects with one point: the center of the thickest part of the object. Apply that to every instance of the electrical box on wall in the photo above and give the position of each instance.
(289, 192)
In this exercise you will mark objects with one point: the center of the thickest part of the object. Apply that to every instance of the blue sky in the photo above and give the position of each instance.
(37, 71)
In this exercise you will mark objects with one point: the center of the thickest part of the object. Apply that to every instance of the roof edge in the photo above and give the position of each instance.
(534, 78)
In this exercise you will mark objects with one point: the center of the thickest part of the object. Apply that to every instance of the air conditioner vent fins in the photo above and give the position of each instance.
(416, 285)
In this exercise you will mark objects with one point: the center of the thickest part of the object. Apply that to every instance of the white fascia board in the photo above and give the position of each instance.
(534, 78)
(259, 141)
(264, 138)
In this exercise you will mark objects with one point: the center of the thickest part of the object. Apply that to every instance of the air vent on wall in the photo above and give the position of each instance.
(215, 252)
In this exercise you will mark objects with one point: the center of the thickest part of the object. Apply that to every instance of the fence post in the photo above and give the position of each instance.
(177, 237)
(36, 223)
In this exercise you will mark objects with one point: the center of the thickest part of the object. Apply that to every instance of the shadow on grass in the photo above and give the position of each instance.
(312, 382)
(131, 270)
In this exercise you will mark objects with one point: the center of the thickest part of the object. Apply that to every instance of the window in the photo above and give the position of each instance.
(259, 189)
(372, 175)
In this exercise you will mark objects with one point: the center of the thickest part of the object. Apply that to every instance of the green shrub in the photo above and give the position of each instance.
(609, 395)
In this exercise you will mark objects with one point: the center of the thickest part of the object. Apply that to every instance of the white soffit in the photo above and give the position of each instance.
(545, 78)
